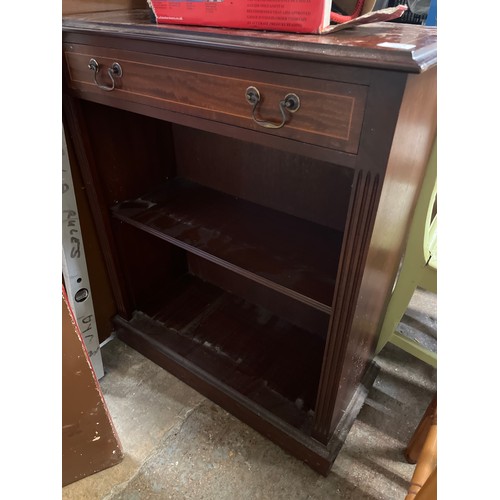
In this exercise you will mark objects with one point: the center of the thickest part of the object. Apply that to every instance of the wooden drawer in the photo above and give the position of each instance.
(330, 113)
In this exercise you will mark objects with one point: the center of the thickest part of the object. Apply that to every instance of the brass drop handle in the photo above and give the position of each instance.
(290, 104)
(114, 72)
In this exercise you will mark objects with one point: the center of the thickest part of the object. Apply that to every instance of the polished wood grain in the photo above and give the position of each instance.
(285, 253)
(266, 176)
(351, 267)
(130, 153)
(254, 136)
(74, 123)
(287, 436)
(356, 175)
(330, 113)
(357, 47)
(413, 138)
(240, 344)
(146, 277)
(296, 312)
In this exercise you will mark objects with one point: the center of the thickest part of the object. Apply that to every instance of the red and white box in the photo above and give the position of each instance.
(296, 16)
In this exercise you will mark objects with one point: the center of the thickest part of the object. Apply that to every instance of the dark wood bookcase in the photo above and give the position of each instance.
(253, 261)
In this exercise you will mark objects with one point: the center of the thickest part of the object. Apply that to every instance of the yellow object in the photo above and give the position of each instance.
(418, 268)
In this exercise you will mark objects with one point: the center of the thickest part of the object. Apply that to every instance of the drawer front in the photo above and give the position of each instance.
(330, 114)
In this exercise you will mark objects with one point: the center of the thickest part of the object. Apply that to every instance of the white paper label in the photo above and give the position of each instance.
(401, 46)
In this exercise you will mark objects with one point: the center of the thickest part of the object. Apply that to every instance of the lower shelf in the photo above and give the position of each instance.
(208, 354)
(261, 407)
(270, 362)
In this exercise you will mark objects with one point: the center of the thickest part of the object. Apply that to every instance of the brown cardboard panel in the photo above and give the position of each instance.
(77, 6)
(89, 440)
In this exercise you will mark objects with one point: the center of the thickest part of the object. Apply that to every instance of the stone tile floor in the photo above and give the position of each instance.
(179, 445)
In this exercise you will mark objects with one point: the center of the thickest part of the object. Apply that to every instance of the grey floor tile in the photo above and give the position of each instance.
(179, 445)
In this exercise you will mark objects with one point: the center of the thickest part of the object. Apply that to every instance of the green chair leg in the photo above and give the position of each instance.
(414, 348)
(418, 267)
(401, 296)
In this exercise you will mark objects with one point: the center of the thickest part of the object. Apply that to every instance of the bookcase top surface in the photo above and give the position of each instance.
(386, 45)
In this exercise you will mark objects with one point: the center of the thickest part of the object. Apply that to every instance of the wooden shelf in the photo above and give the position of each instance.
(290, 255)
(240, 345)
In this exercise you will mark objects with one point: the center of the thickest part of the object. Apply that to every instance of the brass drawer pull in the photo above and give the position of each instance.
(290, 103)
(114, 71)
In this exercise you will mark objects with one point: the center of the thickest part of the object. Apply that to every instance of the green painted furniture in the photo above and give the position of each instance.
(418, 268)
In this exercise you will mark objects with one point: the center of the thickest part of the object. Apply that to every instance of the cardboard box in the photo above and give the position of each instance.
(296, 16)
